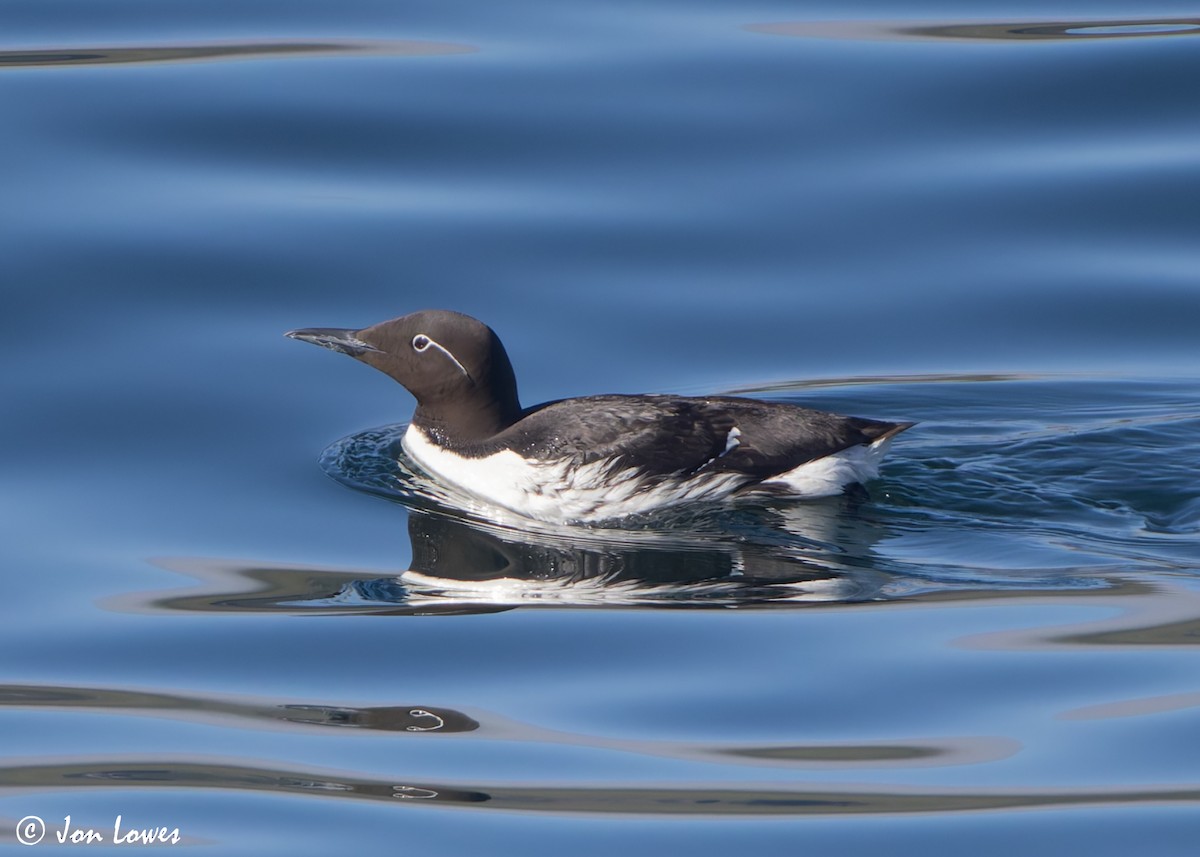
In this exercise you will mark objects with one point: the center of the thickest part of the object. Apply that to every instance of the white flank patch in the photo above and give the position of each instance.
(826, 477)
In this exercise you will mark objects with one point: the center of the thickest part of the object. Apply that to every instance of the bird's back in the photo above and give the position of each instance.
(660, 435)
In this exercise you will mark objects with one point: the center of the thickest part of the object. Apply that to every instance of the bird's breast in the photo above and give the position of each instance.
(562, 490)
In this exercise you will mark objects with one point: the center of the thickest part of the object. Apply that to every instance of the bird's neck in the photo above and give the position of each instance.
(466, 422)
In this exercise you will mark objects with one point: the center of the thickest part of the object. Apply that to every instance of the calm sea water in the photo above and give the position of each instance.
(987, 224)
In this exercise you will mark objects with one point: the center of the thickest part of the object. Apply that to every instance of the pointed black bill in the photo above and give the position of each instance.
(342, 340)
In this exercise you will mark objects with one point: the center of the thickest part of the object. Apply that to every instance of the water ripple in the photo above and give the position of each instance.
(414, 721)
(985, 30)
(748, 800)
(75, 55)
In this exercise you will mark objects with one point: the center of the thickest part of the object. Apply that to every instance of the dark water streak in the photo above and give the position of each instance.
(218, 51)
(987, 30)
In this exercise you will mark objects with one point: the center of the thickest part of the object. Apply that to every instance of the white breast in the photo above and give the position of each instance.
(557, 491)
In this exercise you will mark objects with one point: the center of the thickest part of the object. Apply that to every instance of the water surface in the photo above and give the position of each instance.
(985, 223)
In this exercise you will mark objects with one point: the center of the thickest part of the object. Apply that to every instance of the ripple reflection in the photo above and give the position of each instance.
(798, 800)
(967, 31)
(241, 712)
(68, 56)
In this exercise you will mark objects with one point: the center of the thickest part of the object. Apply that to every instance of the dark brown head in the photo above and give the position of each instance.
(455, 366)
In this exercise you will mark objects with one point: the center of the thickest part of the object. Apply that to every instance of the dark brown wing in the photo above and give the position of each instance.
(662, 435)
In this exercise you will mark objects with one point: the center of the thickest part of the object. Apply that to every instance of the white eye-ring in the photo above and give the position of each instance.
(422, 343)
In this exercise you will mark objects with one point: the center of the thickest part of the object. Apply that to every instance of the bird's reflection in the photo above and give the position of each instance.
(817, 552)
(267, 713)
(727, 559)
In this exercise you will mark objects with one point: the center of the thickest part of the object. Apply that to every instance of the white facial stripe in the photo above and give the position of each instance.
(430, 342)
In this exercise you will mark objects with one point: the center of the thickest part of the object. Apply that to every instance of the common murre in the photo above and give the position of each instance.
(596, 458)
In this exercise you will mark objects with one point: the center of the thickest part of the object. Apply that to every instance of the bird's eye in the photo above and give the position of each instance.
(420, 342)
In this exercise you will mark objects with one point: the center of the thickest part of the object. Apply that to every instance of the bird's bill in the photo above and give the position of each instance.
(340, 339)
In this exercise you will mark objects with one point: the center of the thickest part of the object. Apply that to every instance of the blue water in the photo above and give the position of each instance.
(986, 222)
